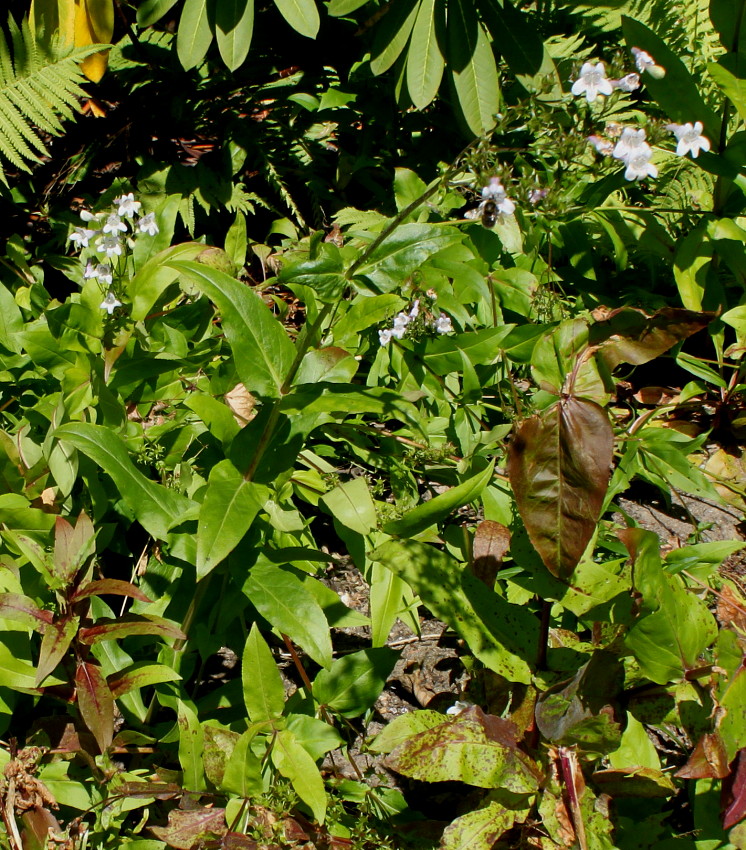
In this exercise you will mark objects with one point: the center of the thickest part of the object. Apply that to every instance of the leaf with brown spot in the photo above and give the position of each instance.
(629, 335)
(187, 829)
(95, 703)
(559, 463)
(474, 748)
(708, 761)
(478, 829)
(491, 542)
(22, 609)
(55, 643)
(113, 586)
(72, 546)
(107, 629)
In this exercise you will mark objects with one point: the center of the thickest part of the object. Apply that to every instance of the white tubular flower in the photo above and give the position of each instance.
(110, 245)
(147, 224)
(91, 270)
(384, 337)
(690, 138)
(87, 215)
(415, 311)
(443, 324)
(103, 273)
(401, 320)
(495, 191)
(458, 706)
(536, 195)
(127, 206)
(114, 225)
(645, 62)
(110, 303)
(631, 143)
(592, 82)
(639, 166)
(603, 146)
(81, 236)
(628, 83)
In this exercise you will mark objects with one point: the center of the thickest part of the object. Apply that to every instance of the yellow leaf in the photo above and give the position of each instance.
(49, 16)
(94, 24)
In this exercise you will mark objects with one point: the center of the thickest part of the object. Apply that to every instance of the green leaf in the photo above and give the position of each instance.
(236, 242)
(155, 507)
(150, 11)
(392, 35)
(263, 691)
(389, 597)
(678, 92)
(11, 320)
(315, 736)
(405, 726)
(23, 609)
(559, 465)
(351, 505)
(17, 673)
(324, 274)
(152, 280)
(302, 15)
(478, 829)
(139, 675)
(95, 703)
(338, 8)
(195, 34)
(282, 599)
(473, 67)
(503, 636)
(243, 770)
(234, 25)
(442, 506)
(191, 747)
(354, 682)
(425, 60)
(230, 505)
(295, 764)
(261, 348)
(728, 74)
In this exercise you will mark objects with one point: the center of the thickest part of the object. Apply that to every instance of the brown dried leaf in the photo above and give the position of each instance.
(241, 403)
(36, 825)
(559, 463)
(734, 792)
(656, 396)
(708, 761)
(491, 542)
(187, 828)
(95, 703)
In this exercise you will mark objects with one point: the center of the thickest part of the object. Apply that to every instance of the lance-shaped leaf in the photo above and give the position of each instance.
(243, 770)
(191, 746)
(72, 546)
(295, 764)
(132, 624)
(234, 25)
(95, 703)
(21, 609)
(264, 693)
(113, 586)
(55, 643)
(139, 675)
(559, 464)
(476, 748)
(425, 60)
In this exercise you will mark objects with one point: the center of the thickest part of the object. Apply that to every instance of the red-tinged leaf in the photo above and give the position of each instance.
(572, 777)
(106, 629)
(478, 829)
(55, 643)
(95, 703)
(139, 675)
(72, 545)
(238, 841)
(734, 792)
(187, 829)
(559, 463)
(491, 542)
(708, 761)
(21, 609)
(158, 790)
(113, 586)
(37, 822)
(629, 335)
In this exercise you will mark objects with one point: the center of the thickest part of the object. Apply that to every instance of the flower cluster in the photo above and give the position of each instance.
(107, 235)
(592, 80)
(404, 321)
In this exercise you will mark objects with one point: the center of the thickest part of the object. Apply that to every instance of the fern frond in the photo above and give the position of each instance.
(38, 89)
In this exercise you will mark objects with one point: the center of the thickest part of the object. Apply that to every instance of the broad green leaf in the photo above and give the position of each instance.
(229, 508)
(728, 73)
(218, 746)
(404, 251)
(389, 596)
(481, 347)
(243, 770)
(478, 829)
(473, 67)
(295, 764)
(354, 682)
(636, 749)
(678, 93)
(56, 641)
(194, 35)
(351, 505)
(475, 748)
(155, 507)
(139, 675)
(16, 672)
(263, 691)
(150, 11)
(701, 556)
(11, 320)
(726, 20)
(425, 60)
(338, 8)
(95, 703)
(282, 599)
(324, 274)
(236, 243)
(392, 34)
(503, 636)
(302, 15)
(262, 350)
(365, 312)
(559, 464)
(152, 280)
(442, 506)
(234, 24)
(405, 726)
(315, 736)
(733, 724)
(191, 746)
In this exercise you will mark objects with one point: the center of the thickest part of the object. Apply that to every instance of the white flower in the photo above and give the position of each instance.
(114, 225)
(127, 206)
(631, 143)
(110, 245)
(432, 294)
(415, 311)
(384, 337)
(87, 215)
(639, 166)
(401, 320)
(147, 224)
(443, 324)
(603, 146)
(103, 273)
(110, 303)
(494, 191)
(458, 706)
(628, 83)
(90, 270)
(690, 138)
(536, 195)
(592, 81)
(643, 60)
(81, 235)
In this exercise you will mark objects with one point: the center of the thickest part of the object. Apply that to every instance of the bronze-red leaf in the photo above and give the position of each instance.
(112, 586)
(491, 542)
(95, 703)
